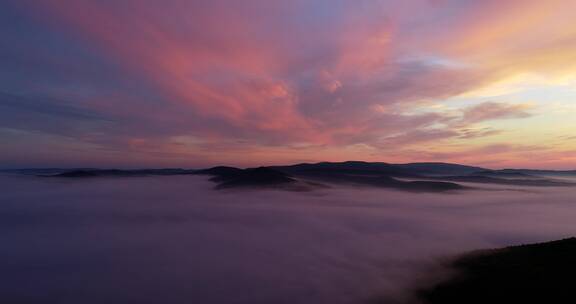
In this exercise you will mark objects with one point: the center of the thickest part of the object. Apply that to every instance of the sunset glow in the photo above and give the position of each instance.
(188, 83)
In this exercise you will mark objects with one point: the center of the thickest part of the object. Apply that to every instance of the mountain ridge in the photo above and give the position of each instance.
(419, 176)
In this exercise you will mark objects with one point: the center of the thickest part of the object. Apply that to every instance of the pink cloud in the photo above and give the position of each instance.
(311, 73)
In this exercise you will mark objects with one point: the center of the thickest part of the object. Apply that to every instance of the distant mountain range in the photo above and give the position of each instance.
(426, 177)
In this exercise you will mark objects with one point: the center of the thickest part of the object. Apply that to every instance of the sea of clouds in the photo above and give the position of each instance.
(175, 240)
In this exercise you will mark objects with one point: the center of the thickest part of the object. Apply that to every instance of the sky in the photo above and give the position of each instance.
(191, 83)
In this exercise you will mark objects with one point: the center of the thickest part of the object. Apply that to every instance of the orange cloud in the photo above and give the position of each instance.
(493, 110)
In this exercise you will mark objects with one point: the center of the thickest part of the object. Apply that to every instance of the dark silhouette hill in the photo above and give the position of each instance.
(261, 177)
(377, 174)
(379, 168)
(537, 273)
(375, 179)
(349, 167)
(428, 177)
(352, 173)
(433, 168)
(255, 177)
(223, 172)
(504, 174)
(395, 175)
(540, 172)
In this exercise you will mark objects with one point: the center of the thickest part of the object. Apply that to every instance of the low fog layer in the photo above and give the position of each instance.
(176, 240)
